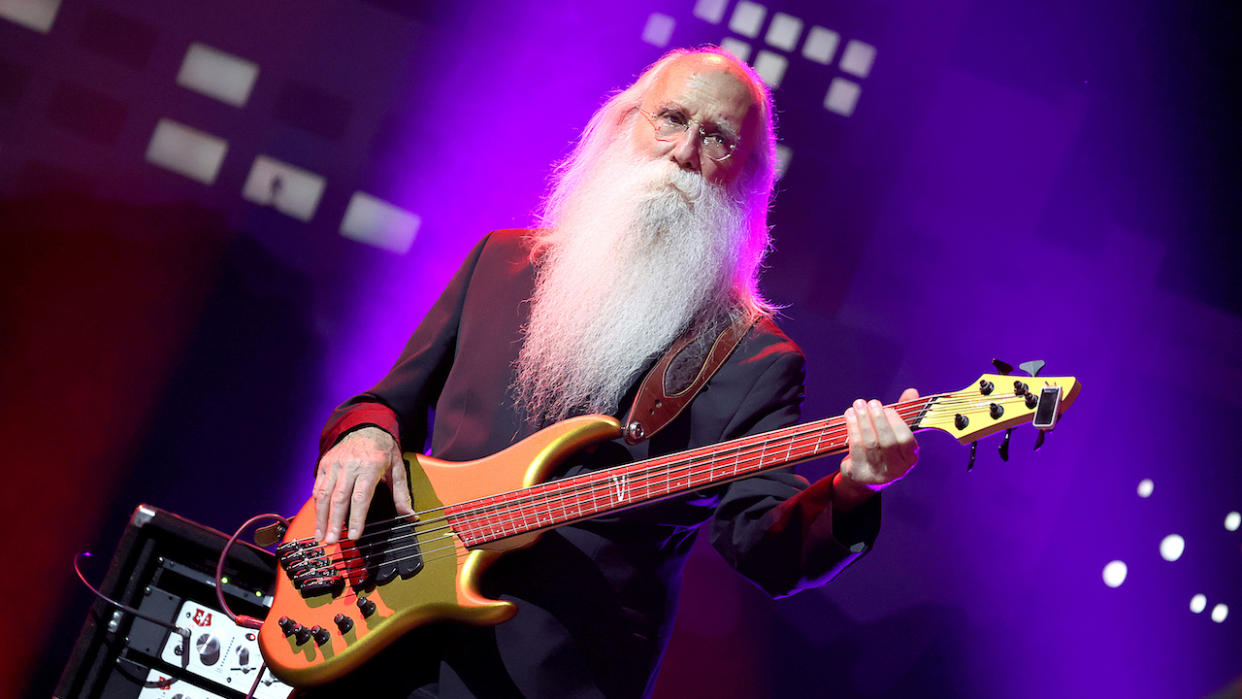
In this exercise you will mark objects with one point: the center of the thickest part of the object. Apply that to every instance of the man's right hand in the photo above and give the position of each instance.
(346, 480)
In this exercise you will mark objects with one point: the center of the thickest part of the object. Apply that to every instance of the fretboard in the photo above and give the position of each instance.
(592, 494)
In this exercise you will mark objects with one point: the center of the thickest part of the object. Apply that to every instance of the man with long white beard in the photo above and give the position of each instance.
(654, 231)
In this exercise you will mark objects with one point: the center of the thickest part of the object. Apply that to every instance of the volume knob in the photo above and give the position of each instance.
(366, 606)
(343, 623)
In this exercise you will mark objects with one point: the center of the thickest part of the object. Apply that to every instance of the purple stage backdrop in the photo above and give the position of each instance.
(224, 218)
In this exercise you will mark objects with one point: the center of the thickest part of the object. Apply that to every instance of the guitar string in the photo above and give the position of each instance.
(592, 488)
(795, 433)
(920, 403)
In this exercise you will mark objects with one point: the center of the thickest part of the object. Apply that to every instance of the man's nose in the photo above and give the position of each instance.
(686, 150)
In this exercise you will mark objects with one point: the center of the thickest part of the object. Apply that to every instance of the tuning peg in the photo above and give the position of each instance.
(1039, 441)
(1004, 445)
(1002, 367)
(971, 464)
(1032, 367)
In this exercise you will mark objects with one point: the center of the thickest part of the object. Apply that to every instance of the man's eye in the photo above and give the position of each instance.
(717, 138)
(673, 118)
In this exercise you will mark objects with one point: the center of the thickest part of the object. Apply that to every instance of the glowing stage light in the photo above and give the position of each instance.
(1145, 488)
(842, 96)
(187, 151)
(858, 58)
(771, 67)
(31, 14)
(217, 74)
(783, 156)
(1198, 603)
(747, 18)
(821, 45)
(659, 29)
(1115, 573)
(1171, 547)
(737, 47)
(1232, 520)
(288, 189)
(784, 31)
(1219, 613)
(376, 222)
(710, 10)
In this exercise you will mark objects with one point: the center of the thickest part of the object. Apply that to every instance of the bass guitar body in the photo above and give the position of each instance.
(336, 605)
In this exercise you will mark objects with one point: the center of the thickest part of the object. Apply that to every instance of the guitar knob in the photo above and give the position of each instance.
(343, 623)
(996, 410)
(303, 634)
(286, 625)
(1031, 400)
(960, 421)
(321, 635)
(366, 606)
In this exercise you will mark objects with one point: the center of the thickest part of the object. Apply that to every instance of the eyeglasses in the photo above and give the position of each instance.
(671, 125)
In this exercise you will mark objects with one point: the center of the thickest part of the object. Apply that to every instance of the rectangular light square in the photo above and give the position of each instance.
(747, 18)
(187, 151)
(710, 10)
(31, 14)
(784, 31)
(820, 45)
(783, 155)
(659, 29)
(376, 222)
(771, 67)
(288, 189)
(842, 96)
(737, 47)
(217, 74)
(858, 58)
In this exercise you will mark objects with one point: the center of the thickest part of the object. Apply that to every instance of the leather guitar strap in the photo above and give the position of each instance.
(673, 382)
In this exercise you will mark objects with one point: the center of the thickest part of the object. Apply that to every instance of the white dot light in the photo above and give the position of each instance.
(1145, 488)
(842, 96)
(710, 10)
(1115, 574)
(821, 45)
(1171, 547)
(1198, 603)
(1232, 520)
(737, 47)
(31, 14)
(784, 30)
(376, 222)
(1219, 612)
(659, 29)
(858, 57)
(747, 18)
(771, 67)
(188, 151)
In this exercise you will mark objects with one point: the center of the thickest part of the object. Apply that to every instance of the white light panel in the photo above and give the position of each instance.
(747, 18)
(783, 155)
(771, 67)
(784, 31)
(1115, 573)
(31, 14)
(659, 29)
(710, 10)
(857, 58)
(821, 45)
(376, 222)
(217, 74)
(842, 96)
(1172, 547)
(1198, 603)
(187, 151)
(737, 47)
(1232, 520)
(1145, 488)
(288, 189)
(1220, 612)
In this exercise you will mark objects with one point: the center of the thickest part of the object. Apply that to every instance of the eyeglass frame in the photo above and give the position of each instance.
(703, 134)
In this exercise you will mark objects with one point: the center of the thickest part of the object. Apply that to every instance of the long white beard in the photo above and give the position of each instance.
(638, 254)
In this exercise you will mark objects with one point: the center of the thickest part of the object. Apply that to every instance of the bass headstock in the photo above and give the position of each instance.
(999, 402)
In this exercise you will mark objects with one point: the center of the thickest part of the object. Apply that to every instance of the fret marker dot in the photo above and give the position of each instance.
(1145, 487)
(1232, 520)
(1115, 574)
(1172, 547)
(1198, 603)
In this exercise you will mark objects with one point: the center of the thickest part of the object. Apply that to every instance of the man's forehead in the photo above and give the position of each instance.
(705, 78)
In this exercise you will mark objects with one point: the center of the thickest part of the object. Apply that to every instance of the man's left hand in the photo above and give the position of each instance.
(882, 447)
